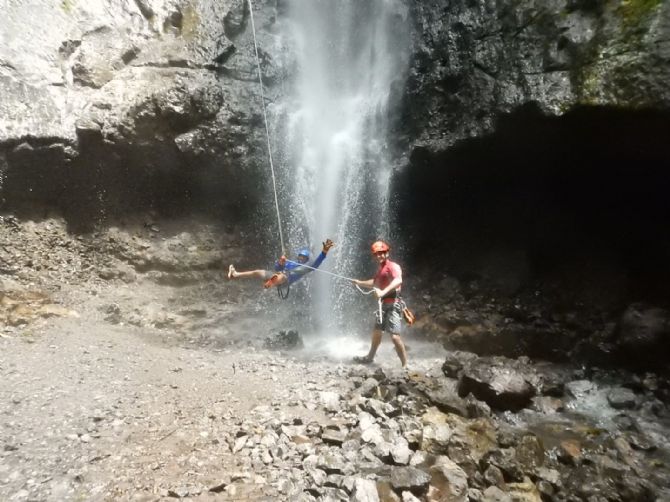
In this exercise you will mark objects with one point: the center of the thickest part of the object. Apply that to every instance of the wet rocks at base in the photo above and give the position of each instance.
(426, 436)
(474, 315)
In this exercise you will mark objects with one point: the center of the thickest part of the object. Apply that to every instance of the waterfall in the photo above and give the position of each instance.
(345, 58)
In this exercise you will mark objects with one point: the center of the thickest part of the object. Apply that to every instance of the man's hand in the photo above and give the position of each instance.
(378, 293)
(327, 245)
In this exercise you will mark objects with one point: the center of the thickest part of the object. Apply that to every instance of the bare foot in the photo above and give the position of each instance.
(232, 273)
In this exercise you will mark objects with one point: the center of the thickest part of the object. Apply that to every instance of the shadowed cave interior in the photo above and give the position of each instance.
(574, 206)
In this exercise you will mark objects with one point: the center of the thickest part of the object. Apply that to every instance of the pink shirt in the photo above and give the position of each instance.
(388, 271)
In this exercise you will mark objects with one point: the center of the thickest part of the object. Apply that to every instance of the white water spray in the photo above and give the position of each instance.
(349, 57)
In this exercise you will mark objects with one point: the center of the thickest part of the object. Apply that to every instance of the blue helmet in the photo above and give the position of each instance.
(304, 252)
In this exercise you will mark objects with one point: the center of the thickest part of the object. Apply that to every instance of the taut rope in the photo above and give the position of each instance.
(267, 130)
(333, 274)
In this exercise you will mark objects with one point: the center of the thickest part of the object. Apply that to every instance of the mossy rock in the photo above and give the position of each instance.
(635, 12)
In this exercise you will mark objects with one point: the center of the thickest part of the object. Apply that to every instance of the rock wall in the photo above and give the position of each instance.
(122, 104)
(154, 102)
(474, 60)
(536, 172)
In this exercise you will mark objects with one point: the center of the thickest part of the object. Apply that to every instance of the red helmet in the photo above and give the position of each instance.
(380, 247)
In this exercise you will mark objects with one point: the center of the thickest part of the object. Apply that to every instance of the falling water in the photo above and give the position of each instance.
(347, 58)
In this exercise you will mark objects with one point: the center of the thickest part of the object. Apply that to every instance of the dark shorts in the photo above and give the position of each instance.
(391, 321)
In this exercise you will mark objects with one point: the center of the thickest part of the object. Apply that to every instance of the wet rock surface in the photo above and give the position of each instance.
(474, 61)
(146, 104)
(161, 388)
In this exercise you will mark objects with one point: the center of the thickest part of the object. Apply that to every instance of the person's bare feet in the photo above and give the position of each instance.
(232, 273)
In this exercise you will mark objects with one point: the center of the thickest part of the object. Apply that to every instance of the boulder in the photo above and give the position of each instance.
(411, 479)
(642, 339)
(501, 386)
(621, 398)
(448, 483)
(365, 490)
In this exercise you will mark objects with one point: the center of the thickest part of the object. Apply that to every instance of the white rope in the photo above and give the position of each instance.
(333, 274)
(267, 130)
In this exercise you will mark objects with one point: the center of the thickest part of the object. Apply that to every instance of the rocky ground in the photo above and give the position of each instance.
(131, 369)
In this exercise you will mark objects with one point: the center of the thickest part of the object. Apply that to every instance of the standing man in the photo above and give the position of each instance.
(386, 284)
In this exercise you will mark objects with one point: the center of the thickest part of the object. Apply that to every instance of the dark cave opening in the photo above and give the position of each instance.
(576, 205)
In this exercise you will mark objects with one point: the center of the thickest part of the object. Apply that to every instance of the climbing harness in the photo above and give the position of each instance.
(267, 129)
(281, 291)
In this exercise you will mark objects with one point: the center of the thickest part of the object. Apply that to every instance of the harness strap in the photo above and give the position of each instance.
(283, 294)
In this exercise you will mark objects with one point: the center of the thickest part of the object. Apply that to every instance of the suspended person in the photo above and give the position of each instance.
(386, 284)
(285, 271)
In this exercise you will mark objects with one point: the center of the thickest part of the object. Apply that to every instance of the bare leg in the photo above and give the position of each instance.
(259, 274)
(400, 349)
(374, 344)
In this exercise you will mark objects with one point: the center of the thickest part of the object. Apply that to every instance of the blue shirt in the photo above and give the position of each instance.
(295, 271)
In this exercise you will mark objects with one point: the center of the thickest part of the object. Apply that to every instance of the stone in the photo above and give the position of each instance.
(505, 460)
(454, 362)
(448, 434)
(570, 451)
(365, 420)
(410, 479)
(373, 434)
(330, 400)
(643, 336)
(547, 405)
(621, 398)
(378, 408)
(495, 494)
(530, 453)
(334, 436)
(332, 463)
(524, 492)
(449, 483)
(501, 387)
(494, 476)
(364, 490)
(580, 388)
(400, 452)
(447, 399)
(476, 408)
(369, 388)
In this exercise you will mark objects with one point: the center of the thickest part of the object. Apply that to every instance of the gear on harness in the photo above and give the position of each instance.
(273, 281)
(407, 314)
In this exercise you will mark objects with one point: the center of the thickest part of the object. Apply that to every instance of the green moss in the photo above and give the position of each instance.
(67, 5)
(634, 12)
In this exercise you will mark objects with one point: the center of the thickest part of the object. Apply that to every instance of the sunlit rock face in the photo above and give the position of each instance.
(474, 60)
(144, 103)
